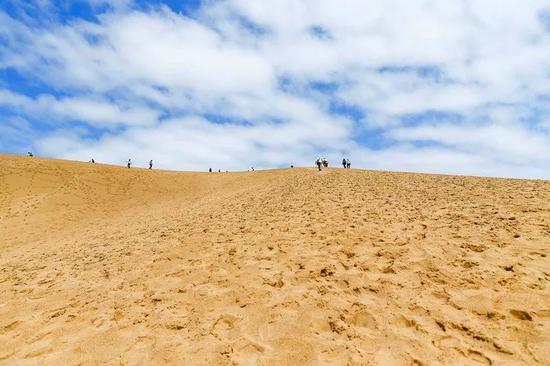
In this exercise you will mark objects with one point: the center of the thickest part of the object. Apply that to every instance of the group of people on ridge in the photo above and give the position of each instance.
(320, 162)
(346, 163)
(323, 162)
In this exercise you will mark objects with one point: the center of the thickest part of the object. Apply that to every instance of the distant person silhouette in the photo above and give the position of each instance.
(129, 163)
(30, 154)
(344, 163)
(150, 164)
(319, 163)
(93, 161)
(210, 170)
(348, 163)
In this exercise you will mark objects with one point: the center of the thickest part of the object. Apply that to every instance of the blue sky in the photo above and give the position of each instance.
(458, 87)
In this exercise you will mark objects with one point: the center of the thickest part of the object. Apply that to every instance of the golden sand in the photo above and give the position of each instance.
(109, 265)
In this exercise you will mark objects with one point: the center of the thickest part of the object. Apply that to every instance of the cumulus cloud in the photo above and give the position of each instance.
(454, 87)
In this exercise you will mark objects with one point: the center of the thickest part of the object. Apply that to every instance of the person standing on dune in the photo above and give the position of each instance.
(318, 162)
(129, 163)
(344, 163)
(348, 163)
(150, 164)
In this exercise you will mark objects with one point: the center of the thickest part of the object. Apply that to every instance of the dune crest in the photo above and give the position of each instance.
(108, 265)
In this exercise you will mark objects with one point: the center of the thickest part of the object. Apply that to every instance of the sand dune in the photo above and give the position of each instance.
(108, 265)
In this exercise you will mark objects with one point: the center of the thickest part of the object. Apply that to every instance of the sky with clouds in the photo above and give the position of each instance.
(455, 86)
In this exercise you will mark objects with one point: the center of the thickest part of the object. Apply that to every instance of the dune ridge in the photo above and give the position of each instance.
(108, 265)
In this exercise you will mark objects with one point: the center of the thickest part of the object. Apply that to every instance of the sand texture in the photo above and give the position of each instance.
(108, 265)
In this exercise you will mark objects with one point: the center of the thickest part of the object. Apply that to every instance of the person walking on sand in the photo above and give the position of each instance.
(318, 162)
(348, 163)
(129, 163)
(344, 163)
(150, 164)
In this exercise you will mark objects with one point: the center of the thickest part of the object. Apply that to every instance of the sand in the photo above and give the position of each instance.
(109, 265)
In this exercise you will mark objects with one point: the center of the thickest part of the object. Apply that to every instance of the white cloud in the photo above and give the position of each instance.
(94, 111)
(444, 160)
(99, 112)
(513, 144)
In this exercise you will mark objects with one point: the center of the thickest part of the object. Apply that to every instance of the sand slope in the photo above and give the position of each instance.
(105, 265)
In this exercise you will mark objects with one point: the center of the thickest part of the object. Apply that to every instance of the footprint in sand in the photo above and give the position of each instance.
(521, 315)
(9, 327)
(364, 319)
(479, 357)
(247, 352)
(224, 324)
